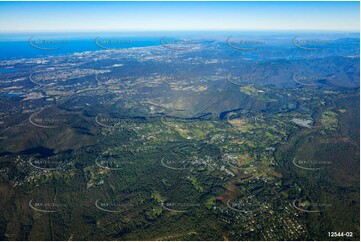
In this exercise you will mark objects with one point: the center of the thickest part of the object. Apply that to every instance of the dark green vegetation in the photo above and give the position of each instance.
(188, 145)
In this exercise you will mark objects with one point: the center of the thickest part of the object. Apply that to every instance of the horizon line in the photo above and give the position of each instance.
(182, 30)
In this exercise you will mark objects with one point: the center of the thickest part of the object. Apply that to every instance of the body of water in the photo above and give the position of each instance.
(51, 46)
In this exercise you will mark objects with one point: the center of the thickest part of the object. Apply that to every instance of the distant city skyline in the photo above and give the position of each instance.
(179, 16)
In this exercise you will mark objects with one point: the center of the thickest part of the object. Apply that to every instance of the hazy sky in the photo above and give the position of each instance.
(138, 16)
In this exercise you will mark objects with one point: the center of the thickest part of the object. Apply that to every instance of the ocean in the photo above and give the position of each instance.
(35, 46)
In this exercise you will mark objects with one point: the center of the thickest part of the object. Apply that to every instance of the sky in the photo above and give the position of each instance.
(179, 16)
